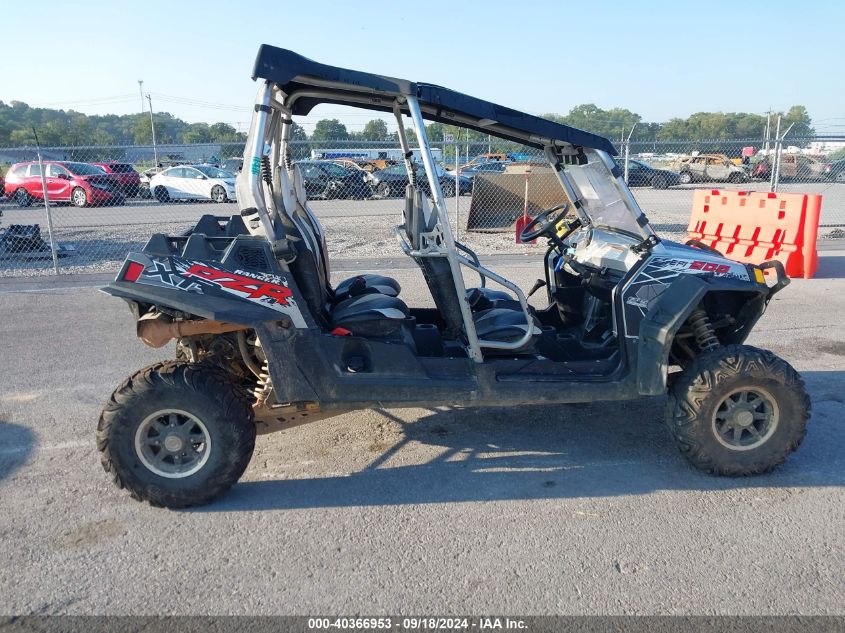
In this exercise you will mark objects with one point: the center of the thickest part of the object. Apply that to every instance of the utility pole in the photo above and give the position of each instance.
(141, 90)
(153, 128)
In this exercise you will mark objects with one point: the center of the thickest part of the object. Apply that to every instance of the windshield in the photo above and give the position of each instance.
(334, 170)
(605, 200)
(213, 172)
(84, 169)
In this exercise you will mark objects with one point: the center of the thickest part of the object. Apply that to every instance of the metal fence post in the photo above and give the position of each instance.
(627, 143)
(457, 196)
(627, 158)
(49, 215)
(775, 160)
(780, 154)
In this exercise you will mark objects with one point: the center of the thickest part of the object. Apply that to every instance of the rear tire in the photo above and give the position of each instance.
(736, 177)
(161, 194)
(448, 189)
(176, 434)
(23, 198)
(685, 178)
(738, 410)
(218, 194)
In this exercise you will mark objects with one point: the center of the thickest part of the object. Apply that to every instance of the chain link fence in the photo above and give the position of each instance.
(107, 200)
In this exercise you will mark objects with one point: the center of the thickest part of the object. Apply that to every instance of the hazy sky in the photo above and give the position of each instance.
(659, 59)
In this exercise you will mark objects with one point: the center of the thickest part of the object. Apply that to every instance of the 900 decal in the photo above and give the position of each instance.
(710, 267)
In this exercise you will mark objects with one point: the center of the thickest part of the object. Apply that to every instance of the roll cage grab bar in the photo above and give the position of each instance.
(273, 107)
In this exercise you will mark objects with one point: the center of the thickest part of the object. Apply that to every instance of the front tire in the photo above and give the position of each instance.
(79, 198)
(660, 182)
(218, 194)
(176, 434)
(738, 410)
(161, 194)
(685, 178)
(383, 190)
(23, 198)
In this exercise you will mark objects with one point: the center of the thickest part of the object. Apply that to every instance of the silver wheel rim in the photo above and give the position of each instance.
(840, 177)
(746, 419)
(79, 198)
(219, 195)
(172, 443)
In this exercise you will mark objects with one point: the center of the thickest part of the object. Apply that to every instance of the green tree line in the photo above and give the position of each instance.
(70, 128)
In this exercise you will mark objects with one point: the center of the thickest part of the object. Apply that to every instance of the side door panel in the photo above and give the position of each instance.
(173, 181)
(58, 188)
(194, 184)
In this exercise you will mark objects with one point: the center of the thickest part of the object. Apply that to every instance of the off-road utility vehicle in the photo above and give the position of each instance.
(267, 339)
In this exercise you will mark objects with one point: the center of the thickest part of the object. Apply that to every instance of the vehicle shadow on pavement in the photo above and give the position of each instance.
(16, 445)
(547, 452)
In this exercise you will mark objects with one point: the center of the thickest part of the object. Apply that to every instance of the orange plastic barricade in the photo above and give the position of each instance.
(754, 227)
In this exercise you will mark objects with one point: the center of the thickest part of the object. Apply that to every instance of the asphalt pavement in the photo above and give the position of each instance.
(566, 509)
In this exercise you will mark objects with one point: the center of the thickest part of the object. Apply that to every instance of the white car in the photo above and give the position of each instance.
(194, 182)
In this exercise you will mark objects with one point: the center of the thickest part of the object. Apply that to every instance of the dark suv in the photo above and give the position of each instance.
(129, 179)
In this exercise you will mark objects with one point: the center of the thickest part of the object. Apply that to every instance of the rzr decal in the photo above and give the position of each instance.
(252, 288)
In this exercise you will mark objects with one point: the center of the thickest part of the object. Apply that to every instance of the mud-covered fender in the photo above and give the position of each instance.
(658, 329)
(669, 312)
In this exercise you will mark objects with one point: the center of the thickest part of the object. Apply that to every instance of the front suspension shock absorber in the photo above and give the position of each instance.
(705, 335)
(261, 391)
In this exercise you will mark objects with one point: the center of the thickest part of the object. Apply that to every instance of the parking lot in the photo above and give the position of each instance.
(566, 510)
(356, 228)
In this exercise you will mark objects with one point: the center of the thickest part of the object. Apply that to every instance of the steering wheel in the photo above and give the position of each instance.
(544, 224)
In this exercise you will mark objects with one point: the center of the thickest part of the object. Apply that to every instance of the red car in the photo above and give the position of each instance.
(78, 183)
(130, 180)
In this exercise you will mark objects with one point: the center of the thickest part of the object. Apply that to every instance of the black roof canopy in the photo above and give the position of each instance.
(313, 83)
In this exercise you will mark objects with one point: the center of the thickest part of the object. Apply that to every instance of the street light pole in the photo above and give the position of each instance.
(153, 128)
(141, 90)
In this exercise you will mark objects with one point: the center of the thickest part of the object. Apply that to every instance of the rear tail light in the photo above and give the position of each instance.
(133, 271)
